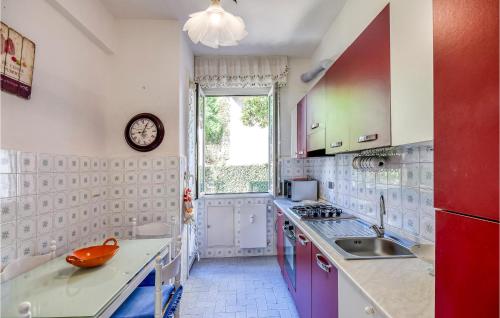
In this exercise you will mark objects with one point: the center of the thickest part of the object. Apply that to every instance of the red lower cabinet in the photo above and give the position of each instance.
(467, 262)
(302, 293)
(280, 219)
(324, 286)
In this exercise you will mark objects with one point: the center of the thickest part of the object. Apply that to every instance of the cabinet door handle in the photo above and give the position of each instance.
(315, 125)
(336, 144)
(302, 239)
(367, 138)
(252, 218)
(323, 263)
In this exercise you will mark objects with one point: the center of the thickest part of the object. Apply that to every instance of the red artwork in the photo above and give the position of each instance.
(17, 61)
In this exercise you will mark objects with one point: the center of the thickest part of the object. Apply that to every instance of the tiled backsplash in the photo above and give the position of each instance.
(78, 200)
(406, 184)
(233, 250)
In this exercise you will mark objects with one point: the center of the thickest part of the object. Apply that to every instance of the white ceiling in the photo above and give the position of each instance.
(275, 27)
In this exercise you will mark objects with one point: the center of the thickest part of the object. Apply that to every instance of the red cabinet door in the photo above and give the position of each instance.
(466, 107)
(466, 266)
(301, 128)
(324, 286)
(280, 218)
(302, 293)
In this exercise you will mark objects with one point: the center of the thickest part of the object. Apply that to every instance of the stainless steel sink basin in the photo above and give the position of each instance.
(370, 248)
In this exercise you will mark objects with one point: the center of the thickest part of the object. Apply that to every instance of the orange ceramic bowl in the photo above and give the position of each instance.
(94, 256)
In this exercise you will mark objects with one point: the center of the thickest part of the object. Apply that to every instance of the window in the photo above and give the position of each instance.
(234, 153)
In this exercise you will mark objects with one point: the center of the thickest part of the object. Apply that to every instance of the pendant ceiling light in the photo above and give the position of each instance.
(215, 27)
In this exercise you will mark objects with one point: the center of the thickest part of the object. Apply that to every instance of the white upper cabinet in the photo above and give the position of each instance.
(411, 71)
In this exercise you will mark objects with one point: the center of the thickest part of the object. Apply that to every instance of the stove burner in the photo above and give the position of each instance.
(316, 211)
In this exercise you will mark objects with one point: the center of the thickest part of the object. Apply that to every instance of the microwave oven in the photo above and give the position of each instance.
(301, 189)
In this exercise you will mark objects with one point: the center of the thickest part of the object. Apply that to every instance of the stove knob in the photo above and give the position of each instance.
(323, 214)
(338, 212)
(330, 214)
(315, 214)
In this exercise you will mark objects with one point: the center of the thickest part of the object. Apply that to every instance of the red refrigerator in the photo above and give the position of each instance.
(466, 141)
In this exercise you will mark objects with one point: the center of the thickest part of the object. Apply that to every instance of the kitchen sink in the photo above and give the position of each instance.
(370, 248)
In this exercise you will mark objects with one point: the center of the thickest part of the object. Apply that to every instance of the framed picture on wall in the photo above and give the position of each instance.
(17, 62)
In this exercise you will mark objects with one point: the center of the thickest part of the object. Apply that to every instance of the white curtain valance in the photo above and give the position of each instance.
(240, 71)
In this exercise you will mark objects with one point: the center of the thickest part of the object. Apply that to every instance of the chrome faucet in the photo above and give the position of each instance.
(379, 230)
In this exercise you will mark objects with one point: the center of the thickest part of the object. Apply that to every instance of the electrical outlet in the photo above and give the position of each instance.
(330, 185)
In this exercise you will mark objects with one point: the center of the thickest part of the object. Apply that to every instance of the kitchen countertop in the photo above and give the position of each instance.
(399, 288)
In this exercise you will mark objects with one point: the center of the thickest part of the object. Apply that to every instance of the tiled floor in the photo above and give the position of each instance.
(249, 287)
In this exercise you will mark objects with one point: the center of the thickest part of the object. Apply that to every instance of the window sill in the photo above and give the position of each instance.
(236, 195)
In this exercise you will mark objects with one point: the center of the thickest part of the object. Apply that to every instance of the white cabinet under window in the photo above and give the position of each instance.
(253, 226)
(220, 226)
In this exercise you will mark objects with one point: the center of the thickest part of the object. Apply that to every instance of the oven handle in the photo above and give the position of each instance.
(323, 263)
(279, 213)
(302, 239)
(289, 234)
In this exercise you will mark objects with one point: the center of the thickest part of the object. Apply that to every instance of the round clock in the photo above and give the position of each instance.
(144, 132)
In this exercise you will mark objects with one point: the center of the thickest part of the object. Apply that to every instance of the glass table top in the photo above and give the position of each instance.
(58, 289)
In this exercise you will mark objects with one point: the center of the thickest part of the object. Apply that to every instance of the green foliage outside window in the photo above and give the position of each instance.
(219, 177)
(255, 111)
(216, 119)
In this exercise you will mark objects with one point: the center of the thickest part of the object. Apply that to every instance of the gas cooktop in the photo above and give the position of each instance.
(319, 211)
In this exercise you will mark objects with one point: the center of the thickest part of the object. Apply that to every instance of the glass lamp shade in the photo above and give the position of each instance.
(215, 27)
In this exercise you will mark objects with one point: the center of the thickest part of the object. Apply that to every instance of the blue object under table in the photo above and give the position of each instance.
(141, 303)
(149, 280)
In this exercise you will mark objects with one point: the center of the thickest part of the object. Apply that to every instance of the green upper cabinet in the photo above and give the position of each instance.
(316, 116)
(338, 103)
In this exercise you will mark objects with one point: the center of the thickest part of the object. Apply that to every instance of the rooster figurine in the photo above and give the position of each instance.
(188, 207)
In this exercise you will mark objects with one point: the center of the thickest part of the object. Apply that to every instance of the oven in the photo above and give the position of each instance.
(289, 250)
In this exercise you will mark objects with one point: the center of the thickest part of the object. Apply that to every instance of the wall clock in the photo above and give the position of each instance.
(144, 132)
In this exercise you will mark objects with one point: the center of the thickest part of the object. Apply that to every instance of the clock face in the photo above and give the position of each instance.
(144, 132)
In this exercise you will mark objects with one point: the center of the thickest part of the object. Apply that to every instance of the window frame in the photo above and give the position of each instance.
(222, 92)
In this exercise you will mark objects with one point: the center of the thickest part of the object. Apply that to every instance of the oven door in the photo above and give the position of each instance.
(290, 253)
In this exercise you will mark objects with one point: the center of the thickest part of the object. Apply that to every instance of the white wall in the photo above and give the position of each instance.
(71, 76)
(92, 74)
(349, 23)
(145, 79)
(186, 75)
(92, 18)
(289, 97)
